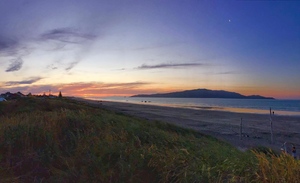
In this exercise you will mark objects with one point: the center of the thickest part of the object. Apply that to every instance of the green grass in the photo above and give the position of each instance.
(60, 140)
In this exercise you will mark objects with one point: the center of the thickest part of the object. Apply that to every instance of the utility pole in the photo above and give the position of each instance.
(271, 126)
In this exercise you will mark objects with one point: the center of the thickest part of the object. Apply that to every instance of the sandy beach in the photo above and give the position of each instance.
(220, 124)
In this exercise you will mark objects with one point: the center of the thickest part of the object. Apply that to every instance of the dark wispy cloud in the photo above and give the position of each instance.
(12, 50)
(15, 65)
(69, 39)
(12, 47)
(52, 67)
(67, 35)
(7, 46)
(168, 66)
(71, 65)
(23, 82)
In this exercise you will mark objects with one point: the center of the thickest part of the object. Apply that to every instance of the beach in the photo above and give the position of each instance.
(223, 125)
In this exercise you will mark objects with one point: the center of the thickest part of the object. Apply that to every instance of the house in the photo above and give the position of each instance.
(20, 94)
(2, 99)
(11, 96)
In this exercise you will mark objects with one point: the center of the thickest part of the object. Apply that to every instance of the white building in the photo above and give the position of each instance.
(2, 99)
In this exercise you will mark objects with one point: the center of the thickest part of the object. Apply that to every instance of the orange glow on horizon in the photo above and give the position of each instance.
(94, 90)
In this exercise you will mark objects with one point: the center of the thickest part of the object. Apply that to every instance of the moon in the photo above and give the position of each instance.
(229, 20)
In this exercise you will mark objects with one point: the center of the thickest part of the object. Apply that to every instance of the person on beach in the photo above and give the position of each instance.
(283, 148)
(294, 151)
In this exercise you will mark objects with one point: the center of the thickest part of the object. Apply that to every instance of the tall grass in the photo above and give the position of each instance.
(52, 140)
(277, 168)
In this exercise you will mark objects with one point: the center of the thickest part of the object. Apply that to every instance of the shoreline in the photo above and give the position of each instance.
(216, 108)
(256, 111)
(223, 125)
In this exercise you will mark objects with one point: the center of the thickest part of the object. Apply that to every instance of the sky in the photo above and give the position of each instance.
(95, 48)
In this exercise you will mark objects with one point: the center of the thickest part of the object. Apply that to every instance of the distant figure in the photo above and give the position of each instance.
(283, 148)
(294, 151)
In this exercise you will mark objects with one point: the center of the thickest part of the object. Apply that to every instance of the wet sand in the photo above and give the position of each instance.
(220, 124)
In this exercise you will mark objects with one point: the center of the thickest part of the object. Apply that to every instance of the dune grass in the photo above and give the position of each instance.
(60, 140)
(277, 168)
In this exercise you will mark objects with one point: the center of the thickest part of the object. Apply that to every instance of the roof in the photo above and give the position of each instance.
(2, 99)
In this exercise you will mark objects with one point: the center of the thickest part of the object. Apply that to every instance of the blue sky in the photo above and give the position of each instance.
(103, 48)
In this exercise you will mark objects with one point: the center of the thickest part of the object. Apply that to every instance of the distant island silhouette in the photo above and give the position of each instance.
(203, 93)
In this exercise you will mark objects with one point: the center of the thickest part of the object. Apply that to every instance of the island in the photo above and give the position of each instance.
(203, 93)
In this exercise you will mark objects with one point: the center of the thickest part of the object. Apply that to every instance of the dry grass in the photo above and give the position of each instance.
(274, 168)
(59, 140)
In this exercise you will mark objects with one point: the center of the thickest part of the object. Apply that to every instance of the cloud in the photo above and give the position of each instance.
(67, 35)
(22, 89)
(52, 66)
(7, 46)
(122, 85)
(71, 65)
(99, 87)
(106, 89)
(81, 89)
(13, 50)
(168, 66)
(26, 81)
(15, 65)
(13, 46)
(5, 42)
(76, 42)
(16, 48)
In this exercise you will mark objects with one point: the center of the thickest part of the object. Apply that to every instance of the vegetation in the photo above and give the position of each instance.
(60, 95)
(277, 168)
(60, 140)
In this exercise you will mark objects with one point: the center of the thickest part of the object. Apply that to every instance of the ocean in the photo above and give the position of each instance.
(261, 106)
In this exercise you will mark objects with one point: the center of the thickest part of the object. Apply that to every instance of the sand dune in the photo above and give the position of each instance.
(220, 124)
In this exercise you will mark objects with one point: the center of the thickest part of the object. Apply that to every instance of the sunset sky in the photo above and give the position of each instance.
(101, 48)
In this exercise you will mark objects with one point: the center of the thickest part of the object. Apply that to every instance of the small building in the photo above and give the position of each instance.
(2, 99)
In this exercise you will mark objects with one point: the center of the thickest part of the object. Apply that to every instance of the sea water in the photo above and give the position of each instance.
(262, 106)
